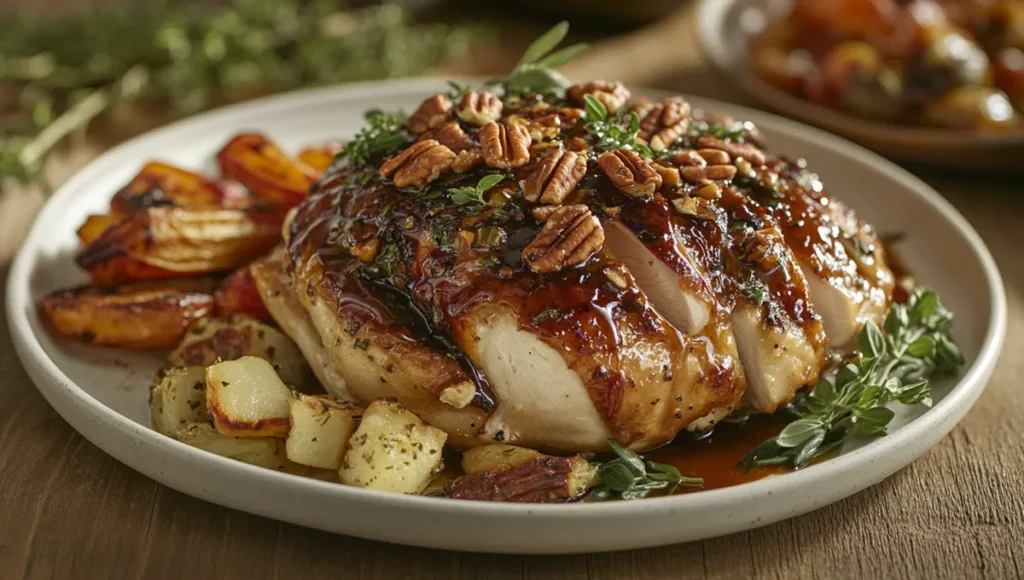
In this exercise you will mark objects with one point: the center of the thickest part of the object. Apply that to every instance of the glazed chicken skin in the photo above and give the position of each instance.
(588, 290)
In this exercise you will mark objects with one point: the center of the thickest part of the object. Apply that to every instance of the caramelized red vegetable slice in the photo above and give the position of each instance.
(266, 170)
(136, 317)
(238, 294)
(166, 242)
(320, 157)
(159, 184)
(95, 225)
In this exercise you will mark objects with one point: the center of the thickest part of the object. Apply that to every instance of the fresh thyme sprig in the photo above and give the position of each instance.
(385, 133)
(892, 366)
(629, 476)
(474, 196)
(613, 132)
(535, 71)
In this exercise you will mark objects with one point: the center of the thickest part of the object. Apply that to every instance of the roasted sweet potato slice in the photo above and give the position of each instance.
(95, 225)
(320, 157)
(165, 242)
(129, 317)
(238, 294)
(159, 184)
(270, 174)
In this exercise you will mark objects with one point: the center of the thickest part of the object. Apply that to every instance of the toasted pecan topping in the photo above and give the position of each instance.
(480, 108)
(432, 112)
(744, 150)
(451, 136)
(419, 164)
(505, 146)
(697, 207)
(542, 480)
(467, 161)
(613, 95)
(630, 172)
(665, 123)
(556, 176)
(570, 236)
(697, 174)
(669, 175)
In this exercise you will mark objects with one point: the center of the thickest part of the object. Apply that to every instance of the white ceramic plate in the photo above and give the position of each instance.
(103, 393)
(725, 28)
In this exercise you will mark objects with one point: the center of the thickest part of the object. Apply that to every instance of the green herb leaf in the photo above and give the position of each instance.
(385, 133)
(536, 69)
(468, 195)
(563, 56)
(894, 366)
(544, 44)
(756, 292)
(628, 476)
(594, 110)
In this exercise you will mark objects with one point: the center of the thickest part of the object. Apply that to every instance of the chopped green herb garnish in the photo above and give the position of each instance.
(385, 133)
(546, 315)
(475, 195)
(629, 476)
(756, 292)
(613, 132)
(443, 229)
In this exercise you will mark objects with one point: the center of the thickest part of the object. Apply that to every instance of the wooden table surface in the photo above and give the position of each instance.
(67, 510)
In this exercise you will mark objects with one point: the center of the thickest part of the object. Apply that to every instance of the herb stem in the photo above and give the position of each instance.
(77, 117)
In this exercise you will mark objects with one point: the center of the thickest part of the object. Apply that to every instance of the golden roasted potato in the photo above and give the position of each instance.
(392, 450)
(238, 294)
(320, 430)
(498, 456)
(262, 451)
(177, 398)
(320, 157)
(544, 479)
(222, 339)
(270, 174)
(246, 398)
(160, 184)
(168, 242)
(137, 316)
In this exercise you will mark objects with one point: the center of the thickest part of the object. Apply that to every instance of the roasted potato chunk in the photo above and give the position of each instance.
(222, 339)
(129, 317)
(266, 170)
(238, 294)
(320, 430)
(160, 184)
(320, 157)
(544, 479)
(262, 451)
(167, 242)
(246, 398)
(177, 398)
(392, 450)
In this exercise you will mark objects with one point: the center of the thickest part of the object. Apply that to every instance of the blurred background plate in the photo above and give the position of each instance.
(725, 27)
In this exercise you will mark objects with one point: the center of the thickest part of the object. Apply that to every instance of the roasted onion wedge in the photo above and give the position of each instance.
(167, 242)
(238, 294)
(136, 317)
(266, 170)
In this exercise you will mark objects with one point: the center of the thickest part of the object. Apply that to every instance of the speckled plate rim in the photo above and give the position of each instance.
(710, 18)
(479, 526)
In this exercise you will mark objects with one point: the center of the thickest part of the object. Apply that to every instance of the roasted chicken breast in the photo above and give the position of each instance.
(512, 274)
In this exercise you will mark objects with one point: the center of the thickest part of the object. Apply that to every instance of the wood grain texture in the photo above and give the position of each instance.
(67, 510)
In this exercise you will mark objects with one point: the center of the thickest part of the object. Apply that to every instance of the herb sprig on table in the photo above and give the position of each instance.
(57, 74)
(629, 476)
(891, 366)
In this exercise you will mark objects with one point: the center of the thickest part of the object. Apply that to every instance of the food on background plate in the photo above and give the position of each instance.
(956, 64)
(516, 290)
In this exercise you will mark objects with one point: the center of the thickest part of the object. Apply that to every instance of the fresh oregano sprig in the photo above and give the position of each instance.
(385, 132)
(474, 196)
(535, 71)
(892, 366)
(629, 476)
(613, 132)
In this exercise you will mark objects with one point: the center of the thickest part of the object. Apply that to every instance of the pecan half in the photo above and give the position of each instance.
(669, 175)
(480, 108)
(542, 480)
(505, 146)
(613, 95)
(467, 161)
(570, 235)
(697, 174)
(432, 112)
(419, 164)
(696, 207)
(704, 165)
(630, 172)
(557, 174)
(665, 123)
(451, 136)
(744, 150)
